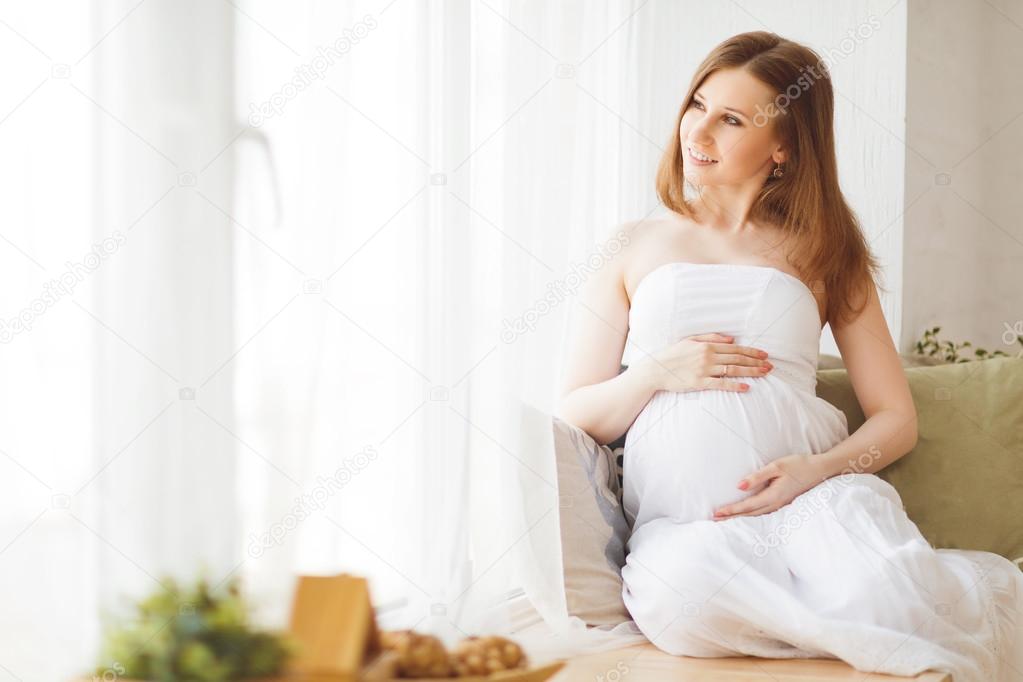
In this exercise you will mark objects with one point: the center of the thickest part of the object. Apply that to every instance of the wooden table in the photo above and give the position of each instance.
(646, 663)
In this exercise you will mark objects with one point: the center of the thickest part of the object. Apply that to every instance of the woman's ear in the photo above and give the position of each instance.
(779, 156)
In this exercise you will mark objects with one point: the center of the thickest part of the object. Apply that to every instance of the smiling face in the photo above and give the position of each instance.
(719, 124)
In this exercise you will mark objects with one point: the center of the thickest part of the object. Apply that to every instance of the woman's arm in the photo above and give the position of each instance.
(606, 410)
(879, 381)
(594, 396)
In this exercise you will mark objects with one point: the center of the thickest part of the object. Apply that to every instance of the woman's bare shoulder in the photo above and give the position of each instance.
(650, 240)
(646, 237)
(628, 242)
(632, 232)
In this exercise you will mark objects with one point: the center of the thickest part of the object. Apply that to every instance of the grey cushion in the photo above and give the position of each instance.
(593, 526)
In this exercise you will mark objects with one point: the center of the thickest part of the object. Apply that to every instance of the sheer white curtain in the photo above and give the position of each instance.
(333, 394)
(421, 177)
(115, 470)
(343, 238)
(45, 348)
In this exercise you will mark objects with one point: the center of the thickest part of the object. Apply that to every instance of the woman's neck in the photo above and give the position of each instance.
(725, 209)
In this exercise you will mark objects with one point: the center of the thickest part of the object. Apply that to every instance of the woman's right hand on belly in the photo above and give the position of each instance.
(705, 361)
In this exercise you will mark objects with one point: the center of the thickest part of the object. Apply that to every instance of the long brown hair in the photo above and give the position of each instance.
(806, 202)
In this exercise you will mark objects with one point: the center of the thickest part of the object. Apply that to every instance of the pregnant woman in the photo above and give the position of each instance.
(759, 525)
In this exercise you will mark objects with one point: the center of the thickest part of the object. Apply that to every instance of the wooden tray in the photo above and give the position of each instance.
(332, 620)
(382, 669)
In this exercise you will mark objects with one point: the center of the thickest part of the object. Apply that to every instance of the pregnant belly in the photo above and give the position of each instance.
(686, 452)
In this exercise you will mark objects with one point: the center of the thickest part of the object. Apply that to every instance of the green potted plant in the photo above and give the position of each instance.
(199, 634)
(941, 352)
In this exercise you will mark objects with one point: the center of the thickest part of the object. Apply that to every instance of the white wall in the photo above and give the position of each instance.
(964, 113)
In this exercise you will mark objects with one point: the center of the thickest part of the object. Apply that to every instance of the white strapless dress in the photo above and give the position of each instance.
(841, 571)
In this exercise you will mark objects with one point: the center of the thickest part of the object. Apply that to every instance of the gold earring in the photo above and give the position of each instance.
(778, 171)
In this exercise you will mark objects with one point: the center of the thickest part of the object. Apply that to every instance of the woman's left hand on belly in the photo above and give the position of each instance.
(783, 480)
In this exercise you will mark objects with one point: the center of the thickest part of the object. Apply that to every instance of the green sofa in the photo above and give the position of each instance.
(963, 482)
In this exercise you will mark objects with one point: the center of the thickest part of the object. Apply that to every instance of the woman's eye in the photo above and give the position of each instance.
(731, 120)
